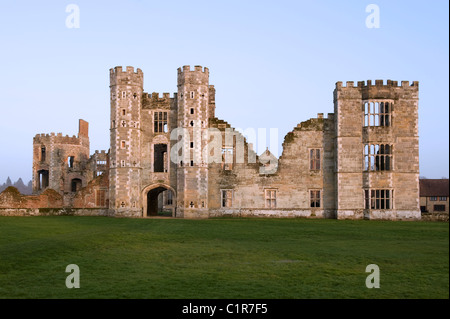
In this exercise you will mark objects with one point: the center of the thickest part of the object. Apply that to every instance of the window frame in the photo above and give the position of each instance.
(227, 158)
(375, 114)
(378, 199)
(315, 160)
(270, 197)
(378, 157)
(160, 122)
(314, 199)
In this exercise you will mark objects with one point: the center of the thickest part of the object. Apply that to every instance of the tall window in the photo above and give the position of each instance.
(377, 113)
(227, 158)
(100, 197)
(377, 157)
(271, 198)
(314, 159)
(43, 154)
(160, 122)
(315, 198)
(378, 198)
(169, 197)
(76, 185)
(70, 161)
(160, 158)
(227, 197)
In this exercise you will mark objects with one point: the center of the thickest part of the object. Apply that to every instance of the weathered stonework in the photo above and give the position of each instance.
(171, 152)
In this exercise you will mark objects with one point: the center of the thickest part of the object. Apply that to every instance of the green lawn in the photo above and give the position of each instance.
(221, 258)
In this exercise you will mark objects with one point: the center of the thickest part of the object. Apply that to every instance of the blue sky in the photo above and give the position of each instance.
(274, 63)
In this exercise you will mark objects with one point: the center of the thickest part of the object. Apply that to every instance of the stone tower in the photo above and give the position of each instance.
(377, 150)
(125, 162)
(195, 108)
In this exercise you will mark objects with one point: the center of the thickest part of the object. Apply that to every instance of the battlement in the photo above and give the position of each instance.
(197, 68)
(378, 84)
(126, 77)
(118, 70)
(198, 76)
(157, 97)
(58, 138)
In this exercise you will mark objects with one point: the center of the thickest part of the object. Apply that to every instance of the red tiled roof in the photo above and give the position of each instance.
(433, 187)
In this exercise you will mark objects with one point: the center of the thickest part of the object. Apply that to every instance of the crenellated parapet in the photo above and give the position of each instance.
(196, 76)
(58, 138)
(118, 76)
(156, 101)
(377, 90)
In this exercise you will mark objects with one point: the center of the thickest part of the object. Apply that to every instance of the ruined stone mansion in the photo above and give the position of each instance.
(362, 161)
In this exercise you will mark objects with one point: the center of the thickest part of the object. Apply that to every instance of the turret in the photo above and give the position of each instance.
(126, 88)
(194, 112)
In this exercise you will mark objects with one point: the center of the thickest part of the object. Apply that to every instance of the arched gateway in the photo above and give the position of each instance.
(150, 199)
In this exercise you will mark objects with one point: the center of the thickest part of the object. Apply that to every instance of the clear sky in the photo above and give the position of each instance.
(274, 63)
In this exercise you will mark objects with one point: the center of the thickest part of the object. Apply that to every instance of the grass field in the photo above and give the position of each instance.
(221, 258)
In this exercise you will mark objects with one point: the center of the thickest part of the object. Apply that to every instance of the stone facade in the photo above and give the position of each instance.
(171, 151)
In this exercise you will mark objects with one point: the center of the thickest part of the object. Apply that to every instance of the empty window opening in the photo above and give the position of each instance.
(227, 158)
(160, 157)
(43, 154)
(271, 198)
(192, 144)
(192, 110)
(377, 157)
(160, 122)
(76, 185)
(377, 113)
(192, 94)
(315, 198)
(314, 159)
(169, 197)
(70, 161)
(378, 198)
(191, 123)
(192, 163)
(227, 197)
(43, 178)
(124, 112)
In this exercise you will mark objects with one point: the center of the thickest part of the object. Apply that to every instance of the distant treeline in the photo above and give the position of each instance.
(24, 189)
